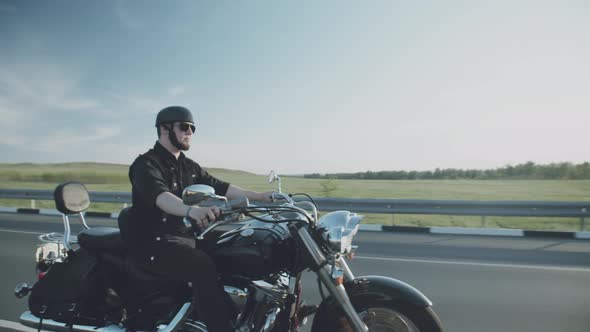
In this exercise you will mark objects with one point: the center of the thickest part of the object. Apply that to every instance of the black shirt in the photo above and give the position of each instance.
(153, 173)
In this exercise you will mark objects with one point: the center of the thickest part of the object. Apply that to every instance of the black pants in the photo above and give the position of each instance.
(176, 259)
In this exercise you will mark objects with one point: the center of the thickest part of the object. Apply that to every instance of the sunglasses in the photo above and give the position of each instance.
(185, 126)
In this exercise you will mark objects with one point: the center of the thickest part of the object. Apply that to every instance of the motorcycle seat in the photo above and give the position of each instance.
(108, 243)
(101, 239)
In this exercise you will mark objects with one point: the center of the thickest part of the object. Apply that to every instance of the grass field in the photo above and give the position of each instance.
(109, 177)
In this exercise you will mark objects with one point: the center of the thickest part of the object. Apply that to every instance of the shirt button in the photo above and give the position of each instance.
(174, 184)
(172, 168)
(158, 238)
(152, 258)
(194, 176)
(164, 219)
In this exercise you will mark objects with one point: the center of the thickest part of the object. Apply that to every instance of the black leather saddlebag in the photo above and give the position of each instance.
(70, 292)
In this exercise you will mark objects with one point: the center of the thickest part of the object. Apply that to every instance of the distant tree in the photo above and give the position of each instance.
(528, 170)
(328, 187)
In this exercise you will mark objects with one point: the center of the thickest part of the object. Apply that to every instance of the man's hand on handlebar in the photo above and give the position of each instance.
(265, 197)
(204, 215)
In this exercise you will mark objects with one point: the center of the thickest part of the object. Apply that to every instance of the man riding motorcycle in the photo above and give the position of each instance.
(158, 241)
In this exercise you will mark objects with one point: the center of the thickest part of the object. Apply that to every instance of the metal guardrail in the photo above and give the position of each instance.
(40, 194)
(386, 206)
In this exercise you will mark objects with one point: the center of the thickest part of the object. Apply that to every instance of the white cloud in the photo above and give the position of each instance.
(63, 140)
(139, 103)
(143, 104)
(31, 92)
(41, 88)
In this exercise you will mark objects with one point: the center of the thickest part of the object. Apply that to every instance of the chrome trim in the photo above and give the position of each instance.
(312, 247)
(66, 232)
(212, 226)
(339, 294)
(235, 291)
(348, 276)
(30, 320)
(338, 229)
(314, 209)
(84, 224)
(238, 296)
(303, 212)
(195, 326)
(22, 290)
(272, 177)
(271, 319)
(56, 238)
(48, 251)
(180, 317)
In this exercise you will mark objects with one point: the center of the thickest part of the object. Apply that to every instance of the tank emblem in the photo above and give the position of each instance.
(247, 232)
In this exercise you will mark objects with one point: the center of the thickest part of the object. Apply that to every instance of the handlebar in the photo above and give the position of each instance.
(277, 196)
(227, 208)
(238, 206)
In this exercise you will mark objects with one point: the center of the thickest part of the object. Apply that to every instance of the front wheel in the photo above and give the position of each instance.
(379, 317)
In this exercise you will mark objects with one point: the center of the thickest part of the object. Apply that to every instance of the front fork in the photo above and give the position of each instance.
(324, 273)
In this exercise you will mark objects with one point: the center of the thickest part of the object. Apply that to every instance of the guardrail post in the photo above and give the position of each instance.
(582, 224)
(32, 204)
(483, 221)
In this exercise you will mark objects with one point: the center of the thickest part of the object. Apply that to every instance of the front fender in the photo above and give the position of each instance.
(379, 288)
(375, 291)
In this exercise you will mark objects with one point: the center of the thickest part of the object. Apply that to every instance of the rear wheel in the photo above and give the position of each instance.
(379, 317)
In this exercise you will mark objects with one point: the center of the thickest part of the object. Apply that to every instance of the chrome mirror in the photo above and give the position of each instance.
(197, 193)
(272, 177)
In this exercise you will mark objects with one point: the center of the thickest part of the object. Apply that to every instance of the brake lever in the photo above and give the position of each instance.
(276, 197)
(215, 224)
(231, 207)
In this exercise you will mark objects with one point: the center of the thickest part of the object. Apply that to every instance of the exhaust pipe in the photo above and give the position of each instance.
(30, 320)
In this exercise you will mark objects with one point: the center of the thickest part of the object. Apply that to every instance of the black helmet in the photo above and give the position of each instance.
(174, 114)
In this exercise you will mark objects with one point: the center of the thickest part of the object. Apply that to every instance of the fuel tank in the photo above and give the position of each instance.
(253, 250)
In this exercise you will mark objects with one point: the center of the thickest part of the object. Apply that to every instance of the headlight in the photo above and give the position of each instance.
(338, 228)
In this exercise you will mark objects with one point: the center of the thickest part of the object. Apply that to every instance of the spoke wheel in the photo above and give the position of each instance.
(379, 317)
(387, 320)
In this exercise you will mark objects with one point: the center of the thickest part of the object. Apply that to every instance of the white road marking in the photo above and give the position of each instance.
(427, 261)
(516, 266)
(15, 326)
(20, 232)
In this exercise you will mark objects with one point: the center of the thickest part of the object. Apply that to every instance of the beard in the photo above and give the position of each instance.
(180, 145)
(184, 146)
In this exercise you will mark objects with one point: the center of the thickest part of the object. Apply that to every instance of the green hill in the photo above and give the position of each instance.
(113, 177)
(97, 176)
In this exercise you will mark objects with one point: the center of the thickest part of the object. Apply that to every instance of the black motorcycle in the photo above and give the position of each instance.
(88, 283)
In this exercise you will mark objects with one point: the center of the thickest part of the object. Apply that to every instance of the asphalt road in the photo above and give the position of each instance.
(477, 283)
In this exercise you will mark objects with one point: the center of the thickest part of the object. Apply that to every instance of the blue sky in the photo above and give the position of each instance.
(299, 86)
